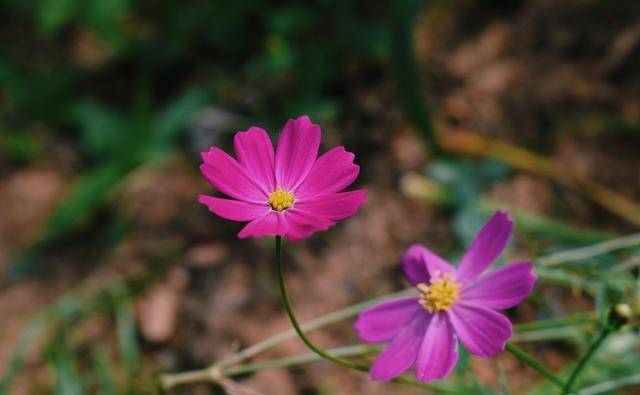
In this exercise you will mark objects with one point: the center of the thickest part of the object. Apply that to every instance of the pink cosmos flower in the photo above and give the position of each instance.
(291, 192)
(454, 304)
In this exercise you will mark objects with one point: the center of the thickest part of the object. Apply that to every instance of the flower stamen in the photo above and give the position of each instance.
(281, 200)
(440, 294)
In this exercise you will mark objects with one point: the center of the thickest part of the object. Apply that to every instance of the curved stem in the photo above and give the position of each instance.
(529, 360)
(606, 331)
(286, 301)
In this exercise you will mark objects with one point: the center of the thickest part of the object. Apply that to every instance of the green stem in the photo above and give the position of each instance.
(529, 360)
(606, 331)
(286, 301)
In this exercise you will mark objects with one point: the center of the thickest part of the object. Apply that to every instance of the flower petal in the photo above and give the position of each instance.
(297, 152)
(302, 224)
(334, 207)
(486, 247)
(385, 320)
(483, 331)
(255, 152)
(272, 224)
(419, 264)
(439, 350)
(234, 210)
(230, 177)
(401, 353)
(501, 288)
(332, 172)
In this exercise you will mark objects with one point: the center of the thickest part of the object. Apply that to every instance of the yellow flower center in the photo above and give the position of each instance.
(281, 200)
(440, 293)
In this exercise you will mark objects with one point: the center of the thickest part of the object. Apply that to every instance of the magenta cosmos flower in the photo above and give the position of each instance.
(454, 304)
(291, 192)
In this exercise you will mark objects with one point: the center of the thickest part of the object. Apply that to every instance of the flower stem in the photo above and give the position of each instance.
(529, 360)
(286, 301)
(606, 331)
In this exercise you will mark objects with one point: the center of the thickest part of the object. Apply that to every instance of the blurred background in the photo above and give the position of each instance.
(112, 273)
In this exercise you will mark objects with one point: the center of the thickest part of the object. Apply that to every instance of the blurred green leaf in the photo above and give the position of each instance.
(90, 191)
(477, 387)
(175, 117)
(127, 335)
(103, 369)
(502, 379)
(61, 358)
(106, 19)
(29, 338)
(54, 14)
(103, 130)
(466, 179)
(19, 147)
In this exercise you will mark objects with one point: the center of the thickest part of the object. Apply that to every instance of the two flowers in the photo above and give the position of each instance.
(292, 192)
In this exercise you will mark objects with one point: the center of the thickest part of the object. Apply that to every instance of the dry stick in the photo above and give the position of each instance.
(212, 372)
(581, 253)
(470, 143)
(611, 385)
(347, 351)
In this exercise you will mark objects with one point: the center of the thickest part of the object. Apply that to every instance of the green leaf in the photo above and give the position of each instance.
(105, 18)
(89, 192)
(127, 335)
(175, 117)
(62, 360)
(54, 14)
(103, 129)
(103, 369)
(502, 378)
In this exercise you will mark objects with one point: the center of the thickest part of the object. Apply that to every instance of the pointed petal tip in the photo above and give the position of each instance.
(303, 117)
(361, 194)
(206, 154)
(529, 266)
(501, 214)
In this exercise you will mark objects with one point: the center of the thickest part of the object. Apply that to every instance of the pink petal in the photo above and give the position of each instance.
(383, 321)
(486, 247)
(234, 210)
(230, 177)
(302, 224)
(439, 350)
(297, 152)
(419, 264)
(401, 353)
(483, 331)
(334, 207)
(272, 224)
(501, 288)
(255, 152)
(332, 172)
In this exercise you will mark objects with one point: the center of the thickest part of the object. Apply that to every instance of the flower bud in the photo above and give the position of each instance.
(620, 315)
